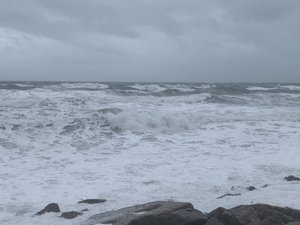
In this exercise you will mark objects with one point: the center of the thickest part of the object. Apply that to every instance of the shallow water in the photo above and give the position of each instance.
(133, 142)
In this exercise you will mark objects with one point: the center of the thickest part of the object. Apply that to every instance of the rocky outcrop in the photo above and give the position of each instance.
(52, 207)
(180, 213)
(257, 214)
(292, 178)
(153, 213)
(183, 213)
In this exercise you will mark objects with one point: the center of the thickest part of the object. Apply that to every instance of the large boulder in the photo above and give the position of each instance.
(153, 213)
(52, 207)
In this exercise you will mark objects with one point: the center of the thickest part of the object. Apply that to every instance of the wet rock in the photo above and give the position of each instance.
(214, 221)
(239, 215)
(216, 212)
(257, 214)
(92, 201)
(52, 207)
(70, 215)
(293, 223)
(251, 188)
(180, 213)
(292, 178)
(153, 213)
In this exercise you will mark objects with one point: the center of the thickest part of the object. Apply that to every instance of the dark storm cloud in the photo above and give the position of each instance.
(150, 40)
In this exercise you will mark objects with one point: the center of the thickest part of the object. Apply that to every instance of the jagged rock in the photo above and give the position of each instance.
(92, 201)
(52, 207)
(153, 213)
(292, 178)
(70, 215)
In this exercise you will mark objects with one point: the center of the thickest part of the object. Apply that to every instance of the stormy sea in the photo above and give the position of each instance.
(216, 144)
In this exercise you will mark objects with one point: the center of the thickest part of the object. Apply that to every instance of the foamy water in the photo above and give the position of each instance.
(132, 143)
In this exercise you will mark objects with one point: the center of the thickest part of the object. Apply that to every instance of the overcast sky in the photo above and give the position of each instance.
(150, 40)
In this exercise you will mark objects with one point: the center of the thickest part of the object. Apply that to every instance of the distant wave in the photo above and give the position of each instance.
(291, 87)
(149, 87)
(84, 86)
(277, 87)
(257, 88)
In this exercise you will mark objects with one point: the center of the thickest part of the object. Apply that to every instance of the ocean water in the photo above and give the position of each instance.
(132, 143)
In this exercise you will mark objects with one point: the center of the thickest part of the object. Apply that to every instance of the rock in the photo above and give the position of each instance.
(52, 207)
(182, 217)
(293, 223)
(251, 188)
(181, 213)
(92, 201)
(239, 215)
(153, 213)
(70, 215)
(266, 185)
(216, 212)
(286, 214)
(256, 214)
(213, 221)
(292, 178)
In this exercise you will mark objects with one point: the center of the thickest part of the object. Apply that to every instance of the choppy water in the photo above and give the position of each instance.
(137, 142)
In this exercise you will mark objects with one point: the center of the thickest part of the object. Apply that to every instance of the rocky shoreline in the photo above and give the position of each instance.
(183, 213)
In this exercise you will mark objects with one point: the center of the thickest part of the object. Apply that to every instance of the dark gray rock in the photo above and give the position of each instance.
(256, 214)
(92, 201)
(284, 215)
(214, 221)
(239, 215)
(181, 213)
(70, 215)
(52, 207)
(216, 212)
(182, 217)
(293, 223)
(292, 178)
(275, 219)
(251, 188)
(153, 213)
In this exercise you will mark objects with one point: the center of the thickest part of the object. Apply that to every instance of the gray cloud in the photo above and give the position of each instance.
(150, 40)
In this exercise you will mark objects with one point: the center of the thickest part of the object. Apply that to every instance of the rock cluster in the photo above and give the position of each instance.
(180, 213)
(54, 207)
